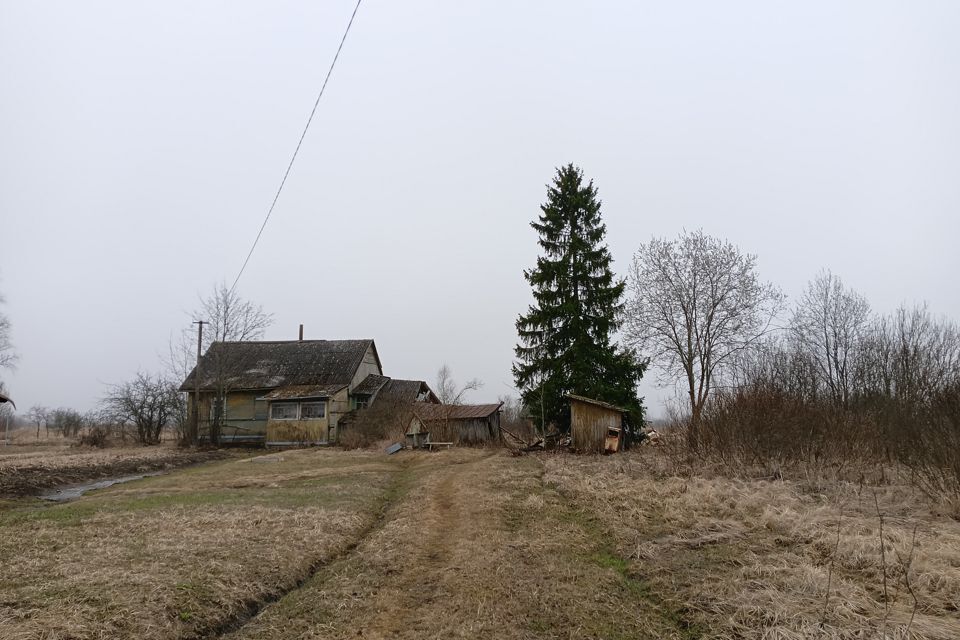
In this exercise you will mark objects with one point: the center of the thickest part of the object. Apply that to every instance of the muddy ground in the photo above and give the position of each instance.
(29, 471)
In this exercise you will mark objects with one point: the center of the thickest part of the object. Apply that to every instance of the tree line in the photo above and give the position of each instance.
(822, 377)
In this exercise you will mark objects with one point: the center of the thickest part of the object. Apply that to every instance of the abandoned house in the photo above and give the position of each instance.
(291, 392)
(465, 424)
(595, 426)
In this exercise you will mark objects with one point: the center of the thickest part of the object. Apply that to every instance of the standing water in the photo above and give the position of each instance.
(73, 491)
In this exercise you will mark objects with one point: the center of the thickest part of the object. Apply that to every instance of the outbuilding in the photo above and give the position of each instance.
(595, 426)
(457, 424)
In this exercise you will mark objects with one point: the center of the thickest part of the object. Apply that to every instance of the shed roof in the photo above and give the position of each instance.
(408, 391)
(386, 387)
(269, 365)
(370, 385)
(597, 403)
(429, 412)
(304, 391)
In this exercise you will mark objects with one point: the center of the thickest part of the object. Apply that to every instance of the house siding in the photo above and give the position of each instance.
(297, 431)
(368, 365)
(337, 407)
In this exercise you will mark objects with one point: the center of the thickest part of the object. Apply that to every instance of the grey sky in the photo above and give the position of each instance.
(140, 145)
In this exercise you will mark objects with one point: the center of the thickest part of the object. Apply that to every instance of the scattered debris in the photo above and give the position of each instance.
(650, 437)
(392, 449)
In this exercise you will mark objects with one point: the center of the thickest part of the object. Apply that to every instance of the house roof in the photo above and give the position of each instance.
(597, 403)
(270, 365)
(370, 385)
(408, 391)
(431, 412)
(385, 387)
(304, 391)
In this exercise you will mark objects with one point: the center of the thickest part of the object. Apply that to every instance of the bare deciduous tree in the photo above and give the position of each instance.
(38, 414)
(447, 389)
(695, 303)
(178, 362)
(7, 355)
(146, 402)
(829, 321)
(909, 356)
(67, 422)
(231, 319)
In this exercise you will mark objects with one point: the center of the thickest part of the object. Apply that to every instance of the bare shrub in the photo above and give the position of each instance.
(386, 419)
(97, 436)
(146, 403)
(892, 404)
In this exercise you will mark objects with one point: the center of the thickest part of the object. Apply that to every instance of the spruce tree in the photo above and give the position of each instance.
(566, 337)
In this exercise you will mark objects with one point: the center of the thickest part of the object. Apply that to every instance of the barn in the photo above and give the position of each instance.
(595, 426)
(458, 424)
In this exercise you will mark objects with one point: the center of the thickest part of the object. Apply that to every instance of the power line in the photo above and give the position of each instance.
(299, 143)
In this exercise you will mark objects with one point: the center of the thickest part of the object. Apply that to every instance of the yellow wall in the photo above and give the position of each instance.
(297, 430)
(241, 405)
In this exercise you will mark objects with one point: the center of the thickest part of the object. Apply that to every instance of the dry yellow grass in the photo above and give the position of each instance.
(753, 558)
(477, 544)
(179, 555)
(27, 469)
(477, 547)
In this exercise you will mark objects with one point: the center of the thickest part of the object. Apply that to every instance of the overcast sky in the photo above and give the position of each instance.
(141, 144)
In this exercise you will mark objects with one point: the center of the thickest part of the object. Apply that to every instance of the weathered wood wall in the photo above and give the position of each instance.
(463, 431)
(367, 366)
(589, 425)
(337, 406)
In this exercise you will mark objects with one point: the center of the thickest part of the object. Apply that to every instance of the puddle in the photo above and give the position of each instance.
(74, 491)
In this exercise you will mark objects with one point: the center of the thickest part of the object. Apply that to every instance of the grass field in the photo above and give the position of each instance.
(475, 544)
(755, 558)
(29, 468)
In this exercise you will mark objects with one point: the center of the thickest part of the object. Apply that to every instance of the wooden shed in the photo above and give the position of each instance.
(595, 426)
(459, 424)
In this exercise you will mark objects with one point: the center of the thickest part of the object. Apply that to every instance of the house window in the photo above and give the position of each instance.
(313, 410)
(360, 402)
(283, 411)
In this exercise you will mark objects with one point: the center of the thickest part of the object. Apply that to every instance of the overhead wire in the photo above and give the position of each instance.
(293, 158)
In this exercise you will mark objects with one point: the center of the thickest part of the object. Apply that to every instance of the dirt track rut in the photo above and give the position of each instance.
(474, 550)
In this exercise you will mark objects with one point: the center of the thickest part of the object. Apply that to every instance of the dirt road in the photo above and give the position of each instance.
(475, 549)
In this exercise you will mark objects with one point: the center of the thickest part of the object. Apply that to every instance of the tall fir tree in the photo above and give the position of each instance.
(566, 337)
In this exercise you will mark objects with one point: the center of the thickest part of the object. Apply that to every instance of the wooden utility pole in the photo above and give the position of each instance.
(195, 419)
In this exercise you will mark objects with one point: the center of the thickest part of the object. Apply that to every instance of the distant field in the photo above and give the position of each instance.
(27, 469)
(473, 543)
